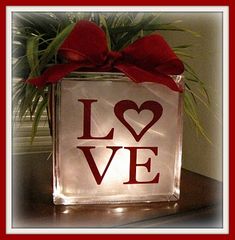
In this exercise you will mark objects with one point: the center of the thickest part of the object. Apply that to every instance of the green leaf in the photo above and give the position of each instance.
(83, 16)
(156, 18)
(187, 88)
(28, 93)
(103, 24)
(35, 103)
(20, 19)
(191, 112)
(191, 79)
(18, 50)
(170, 27)
(32, 55)
(196, 96)
(21, 68)
(54, 46)
(189, 103)
(63, 19)
(122, 19)
(38, 113)
(190, 71)
(130, 36)
(197, 124)
(41, 22)
(183, 54)
(182, 46)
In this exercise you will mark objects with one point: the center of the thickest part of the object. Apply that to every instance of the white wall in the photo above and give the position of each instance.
(199, 155)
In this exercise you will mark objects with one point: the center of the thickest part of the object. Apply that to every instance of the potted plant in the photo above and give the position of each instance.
(37, 39)
(38, 36)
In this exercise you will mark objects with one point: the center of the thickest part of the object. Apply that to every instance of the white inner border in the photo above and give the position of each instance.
(225, 229)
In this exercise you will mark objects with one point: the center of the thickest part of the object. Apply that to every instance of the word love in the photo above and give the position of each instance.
(119, 109)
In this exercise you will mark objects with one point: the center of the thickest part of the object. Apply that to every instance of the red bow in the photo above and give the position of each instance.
(149, 59)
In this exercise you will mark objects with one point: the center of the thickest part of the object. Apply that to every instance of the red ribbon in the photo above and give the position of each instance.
(149, 59)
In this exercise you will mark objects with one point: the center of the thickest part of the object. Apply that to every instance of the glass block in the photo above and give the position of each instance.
(115, 141)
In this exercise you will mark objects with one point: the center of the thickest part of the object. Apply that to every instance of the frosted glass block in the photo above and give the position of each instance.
(116, 141)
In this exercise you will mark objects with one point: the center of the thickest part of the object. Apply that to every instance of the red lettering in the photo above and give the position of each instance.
(134, 165)
(87, 121)
(87, 152)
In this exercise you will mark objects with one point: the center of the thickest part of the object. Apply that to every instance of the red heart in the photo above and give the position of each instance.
(125, 105)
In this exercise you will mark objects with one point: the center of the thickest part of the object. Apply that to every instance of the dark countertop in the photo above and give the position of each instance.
(200, 204)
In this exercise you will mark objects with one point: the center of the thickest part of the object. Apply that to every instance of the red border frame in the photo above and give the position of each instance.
(3, 5)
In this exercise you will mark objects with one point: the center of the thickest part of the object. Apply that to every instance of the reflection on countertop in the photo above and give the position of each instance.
(199, 205)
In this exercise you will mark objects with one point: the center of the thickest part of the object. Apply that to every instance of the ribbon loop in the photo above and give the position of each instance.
(149, 59)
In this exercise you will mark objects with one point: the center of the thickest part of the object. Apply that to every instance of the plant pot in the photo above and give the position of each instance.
(115, 141)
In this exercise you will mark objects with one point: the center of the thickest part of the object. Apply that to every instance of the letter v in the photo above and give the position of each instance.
(87, 152)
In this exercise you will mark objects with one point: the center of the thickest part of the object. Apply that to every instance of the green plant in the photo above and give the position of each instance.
(38, 36)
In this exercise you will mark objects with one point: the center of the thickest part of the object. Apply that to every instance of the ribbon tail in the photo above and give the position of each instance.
(139, 75)
(53, 74)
